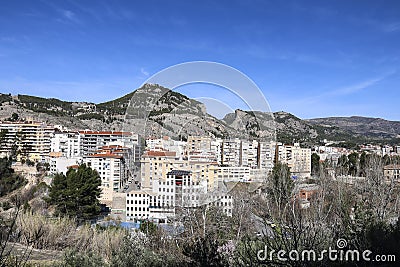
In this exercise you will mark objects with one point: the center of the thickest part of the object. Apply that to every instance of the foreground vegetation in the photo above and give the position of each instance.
(364, 214)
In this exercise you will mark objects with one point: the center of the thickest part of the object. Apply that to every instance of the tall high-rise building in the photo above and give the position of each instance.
(31, 140)
(298, 159)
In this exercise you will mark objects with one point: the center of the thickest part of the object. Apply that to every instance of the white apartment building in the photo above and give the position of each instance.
(392, 172)
(231, 153)
(216, 149)
(233, 174)
(138, 205)
(177, 191)
(298, 159)
(75, 145)
(166, 144)
(198, 144)
(249, 154)
(189, 192)
(223, 202)
(163, 201)
(266, 155)
(31, 139)
(83, 143)
(62, 164)
(90, 141)
(66, 143)
(112, 170)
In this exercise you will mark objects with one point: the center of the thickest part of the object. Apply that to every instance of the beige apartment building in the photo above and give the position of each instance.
(30, 139)
(298, 159)
(111, 166)
(156, 164)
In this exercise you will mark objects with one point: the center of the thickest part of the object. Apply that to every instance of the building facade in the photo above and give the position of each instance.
(29, 140)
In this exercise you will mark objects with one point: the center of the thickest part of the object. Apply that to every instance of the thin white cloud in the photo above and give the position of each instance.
(356, 87)
(392, 27)
(145, 73)
(382, 26)
(70, 16)
(8, 39)
(63, 15)
(342, 91)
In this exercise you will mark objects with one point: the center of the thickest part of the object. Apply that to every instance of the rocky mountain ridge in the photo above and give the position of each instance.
(153, 110)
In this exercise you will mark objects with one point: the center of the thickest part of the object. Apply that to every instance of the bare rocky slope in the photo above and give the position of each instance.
(362, 126)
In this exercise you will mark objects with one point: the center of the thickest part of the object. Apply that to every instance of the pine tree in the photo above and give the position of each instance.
(282, 185)
(9, 181)
(76, 194)
(315, 164)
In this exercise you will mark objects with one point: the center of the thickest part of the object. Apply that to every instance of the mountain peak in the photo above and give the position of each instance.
(177, 115)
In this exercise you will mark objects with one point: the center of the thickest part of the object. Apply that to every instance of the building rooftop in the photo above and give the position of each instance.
(105, 133)
(392, 167)
(152, 153)
(73, 167)
(179, 173)
(105, 155)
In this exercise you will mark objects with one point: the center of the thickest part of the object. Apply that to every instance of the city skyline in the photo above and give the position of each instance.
(311, 59)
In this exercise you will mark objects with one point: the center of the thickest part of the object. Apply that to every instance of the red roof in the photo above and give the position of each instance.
(105, 155)
(73, 167)
(105, 133)
(160, 153)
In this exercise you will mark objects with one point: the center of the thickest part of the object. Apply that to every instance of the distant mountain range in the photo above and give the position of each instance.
(171, 113)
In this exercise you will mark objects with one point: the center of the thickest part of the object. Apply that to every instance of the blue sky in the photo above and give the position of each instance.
(310, 58)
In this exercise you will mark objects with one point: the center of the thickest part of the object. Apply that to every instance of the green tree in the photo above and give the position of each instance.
(386, 159)
(76, 194)
(281, 186)
(148, 227)
(363, 163)
(14, 117)
(9, 181)
(342, 167)
(3, 134)
(353, 163)
(315, 164)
